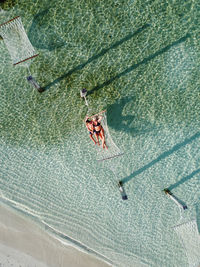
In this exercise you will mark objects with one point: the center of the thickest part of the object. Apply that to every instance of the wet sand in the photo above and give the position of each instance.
(23, 243)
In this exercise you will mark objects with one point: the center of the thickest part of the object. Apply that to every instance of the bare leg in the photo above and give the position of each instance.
(104, 143)
(92, 138)
(97, 137)
(102, 136)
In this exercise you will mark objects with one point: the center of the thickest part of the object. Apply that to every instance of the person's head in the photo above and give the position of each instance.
(88, 122)
(95, 118)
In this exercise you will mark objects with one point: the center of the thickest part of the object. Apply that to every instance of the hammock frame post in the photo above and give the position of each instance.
(83, 93)
(34, 83)
(175, 199)
(122, 191)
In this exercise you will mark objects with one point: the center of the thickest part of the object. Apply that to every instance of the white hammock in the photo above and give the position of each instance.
(17, 41)
(113, 150)
(188, 232)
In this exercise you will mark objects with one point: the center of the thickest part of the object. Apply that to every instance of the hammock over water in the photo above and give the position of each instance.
(113, 150)
(17, 42)
(188, 232)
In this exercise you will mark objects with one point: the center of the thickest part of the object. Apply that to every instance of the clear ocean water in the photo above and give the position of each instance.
(140, 61)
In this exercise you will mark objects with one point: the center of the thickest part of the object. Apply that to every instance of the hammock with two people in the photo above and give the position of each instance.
(112, 149)
(108, 150)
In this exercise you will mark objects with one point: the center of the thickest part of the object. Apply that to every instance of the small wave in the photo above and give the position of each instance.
(66, 240)
(72, 242)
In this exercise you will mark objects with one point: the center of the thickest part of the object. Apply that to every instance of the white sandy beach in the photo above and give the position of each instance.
(23, 243)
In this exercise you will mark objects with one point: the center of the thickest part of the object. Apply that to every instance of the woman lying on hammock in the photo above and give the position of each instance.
(98, 130)
(90, 128)
(94, 127)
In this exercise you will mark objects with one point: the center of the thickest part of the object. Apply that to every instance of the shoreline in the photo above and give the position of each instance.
(24, 242)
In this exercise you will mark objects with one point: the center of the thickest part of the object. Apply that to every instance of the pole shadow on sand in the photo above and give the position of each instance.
(184, 179)
(135, 66)
(163, 156)
(100, 54)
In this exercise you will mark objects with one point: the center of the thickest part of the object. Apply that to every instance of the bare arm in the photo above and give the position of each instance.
(100, 118)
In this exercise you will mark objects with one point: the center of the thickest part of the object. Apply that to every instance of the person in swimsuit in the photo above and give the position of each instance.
(90, 127)
(99, 131)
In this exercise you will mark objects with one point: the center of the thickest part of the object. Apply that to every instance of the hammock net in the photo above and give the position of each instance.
(189, 235)
(17, 42)
(113, 150)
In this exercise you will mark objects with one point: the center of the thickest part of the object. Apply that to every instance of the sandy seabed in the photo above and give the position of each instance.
(24, 244)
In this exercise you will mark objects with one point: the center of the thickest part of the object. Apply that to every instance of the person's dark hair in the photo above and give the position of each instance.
(87, 120)
(96, 118)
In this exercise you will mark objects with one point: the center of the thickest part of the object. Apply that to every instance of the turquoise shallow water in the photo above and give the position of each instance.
(140, 61)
